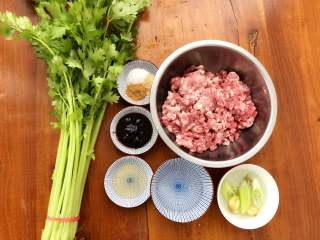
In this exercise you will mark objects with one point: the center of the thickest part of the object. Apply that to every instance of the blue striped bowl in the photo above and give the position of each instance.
(181, 190)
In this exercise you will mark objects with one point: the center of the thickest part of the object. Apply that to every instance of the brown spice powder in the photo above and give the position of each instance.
(140, 90)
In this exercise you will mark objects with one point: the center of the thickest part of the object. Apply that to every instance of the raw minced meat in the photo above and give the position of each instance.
(205, 109)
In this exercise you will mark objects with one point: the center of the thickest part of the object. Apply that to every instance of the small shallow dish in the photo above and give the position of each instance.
(122, 147)
(122, 79)
(271, 196)
(216, 56)
(127, 181)
(181, 190)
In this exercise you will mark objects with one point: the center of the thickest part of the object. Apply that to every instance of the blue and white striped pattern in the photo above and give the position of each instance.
(122, 79)
(127, 181)
(181, 190)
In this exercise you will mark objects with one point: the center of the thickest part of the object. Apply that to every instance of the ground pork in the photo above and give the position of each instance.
(204, 109)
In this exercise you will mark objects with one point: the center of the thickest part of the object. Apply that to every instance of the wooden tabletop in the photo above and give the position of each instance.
(284, 35)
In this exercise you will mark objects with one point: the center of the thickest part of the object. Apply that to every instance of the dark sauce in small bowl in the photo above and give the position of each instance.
(134, 130)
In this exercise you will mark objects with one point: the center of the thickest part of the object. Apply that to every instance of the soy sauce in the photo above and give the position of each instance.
(134, 130)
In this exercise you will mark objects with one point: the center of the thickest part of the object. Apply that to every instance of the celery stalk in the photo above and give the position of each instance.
(84, 43)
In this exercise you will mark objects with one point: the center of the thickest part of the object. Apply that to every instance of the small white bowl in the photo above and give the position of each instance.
(118, 144)
(122, 79)
(271, 196)
(121, 188)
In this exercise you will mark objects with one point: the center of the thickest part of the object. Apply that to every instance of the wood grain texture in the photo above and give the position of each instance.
(283, 34)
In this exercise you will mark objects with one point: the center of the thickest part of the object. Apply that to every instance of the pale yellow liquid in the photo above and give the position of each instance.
(129, 181)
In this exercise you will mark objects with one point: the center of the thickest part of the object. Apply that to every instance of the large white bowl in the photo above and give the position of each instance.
(215, 56)
(271, 196)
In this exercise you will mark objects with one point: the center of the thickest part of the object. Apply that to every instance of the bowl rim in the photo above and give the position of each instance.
(271, 90)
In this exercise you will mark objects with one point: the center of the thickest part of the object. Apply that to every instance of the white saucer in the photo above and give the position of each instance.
(122, 79)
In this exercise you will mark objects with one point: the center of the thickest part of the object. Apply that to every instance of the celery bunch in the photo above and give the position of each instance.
(85, 44)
